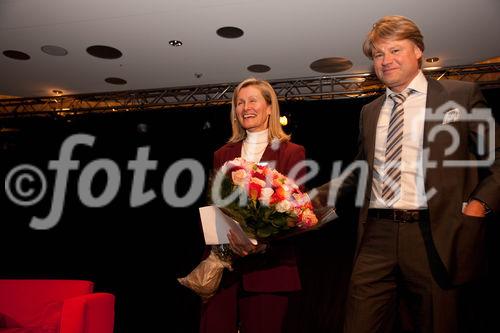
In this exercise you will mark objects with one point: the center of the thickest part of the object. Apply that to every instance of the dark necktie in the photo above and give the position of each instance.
(391, 185)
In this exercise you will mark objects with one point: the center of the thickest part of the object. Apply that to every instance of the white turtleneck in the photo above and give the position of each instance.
(254, 145)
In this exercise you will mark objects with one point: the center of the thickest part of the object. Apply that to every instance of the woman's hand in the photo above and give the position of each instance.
(242, 246)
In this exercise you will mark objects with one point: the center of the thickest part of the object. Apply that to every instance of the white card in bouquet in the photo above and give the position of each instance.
(216, 226)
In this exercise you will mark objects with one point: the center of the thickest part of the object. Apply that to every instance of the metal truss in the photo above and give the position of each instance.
(314, 88)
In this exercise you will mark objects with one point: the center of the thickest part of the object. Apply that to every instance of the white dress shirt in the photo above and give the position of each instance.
(412, 175)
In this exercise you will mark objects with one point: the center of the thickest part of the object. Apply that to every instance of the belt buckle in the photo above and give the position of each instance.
(409, 216)
(403, 216)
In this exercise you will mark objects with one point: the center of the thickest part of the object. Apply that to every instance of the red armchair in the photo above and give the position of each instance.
(54, 306)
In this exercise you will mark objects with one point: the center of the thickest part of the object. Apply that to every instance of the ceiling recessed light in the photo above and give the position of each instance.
(104, 52)
(230, 32)
(18, 55)
(331, 65)
(258, 68)
(115, 80)
(433, 59)
(175, 42)
(54, 50)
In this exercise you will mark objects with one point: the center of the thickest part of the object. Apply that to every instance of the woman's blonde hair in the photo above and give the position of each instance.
(395, 26)
(275, 130)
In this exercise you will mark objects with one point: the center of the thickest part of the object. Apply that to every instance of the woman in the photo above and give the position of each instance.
(256, 295)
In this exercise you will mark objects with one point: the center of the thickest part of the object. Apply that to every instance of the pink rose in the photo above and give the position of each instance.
(239, 177)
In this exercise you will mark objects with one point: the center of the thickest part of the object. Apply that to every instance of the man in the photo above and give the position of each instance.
(422, 222)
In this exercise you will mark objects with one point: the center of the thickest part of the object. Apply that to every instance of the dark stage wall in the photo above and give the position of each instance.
(137, 253)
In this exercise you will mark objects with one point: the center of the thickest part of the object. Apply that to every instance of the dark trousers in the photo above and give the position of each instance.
(392, 267)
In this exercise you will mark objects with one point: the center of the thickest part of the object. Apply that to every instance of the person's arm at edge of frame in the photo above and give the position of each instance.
(486, 196)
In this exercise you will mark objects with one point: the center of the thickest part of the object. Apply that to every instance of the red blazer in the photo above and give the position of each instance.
(275, 270)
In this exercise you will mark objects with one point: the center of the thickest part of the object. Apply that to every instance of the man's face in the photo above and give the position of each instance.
(396, 62)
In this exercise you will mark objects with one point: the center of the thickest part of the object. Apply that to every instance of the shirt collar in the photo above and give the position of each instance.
(257, 137)
(418, 84)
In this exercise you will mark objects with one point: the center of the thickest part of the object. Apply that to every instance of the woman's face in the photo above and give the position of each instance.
(252, 109)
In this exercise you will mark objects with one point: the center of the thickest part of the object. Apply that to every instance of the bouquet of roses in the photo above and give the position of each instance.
(266, 204)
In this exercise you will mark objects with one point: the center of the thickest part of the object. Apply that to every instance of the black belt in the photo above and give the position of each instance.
(400, 215)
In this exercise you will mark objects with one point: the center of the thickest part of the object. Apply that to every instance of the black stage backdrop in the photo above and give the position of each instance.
(137, 253)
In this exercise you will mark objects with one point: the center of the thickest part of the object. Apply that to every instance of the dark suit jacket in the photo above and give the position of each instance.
(275, 270)
(455, 242)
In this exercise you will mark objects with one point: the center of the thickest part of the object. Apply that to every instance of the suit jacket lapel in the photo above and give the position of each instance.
(435, 174)
(269, 154)
(235, 150)
(436, 96)
(370, 125)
